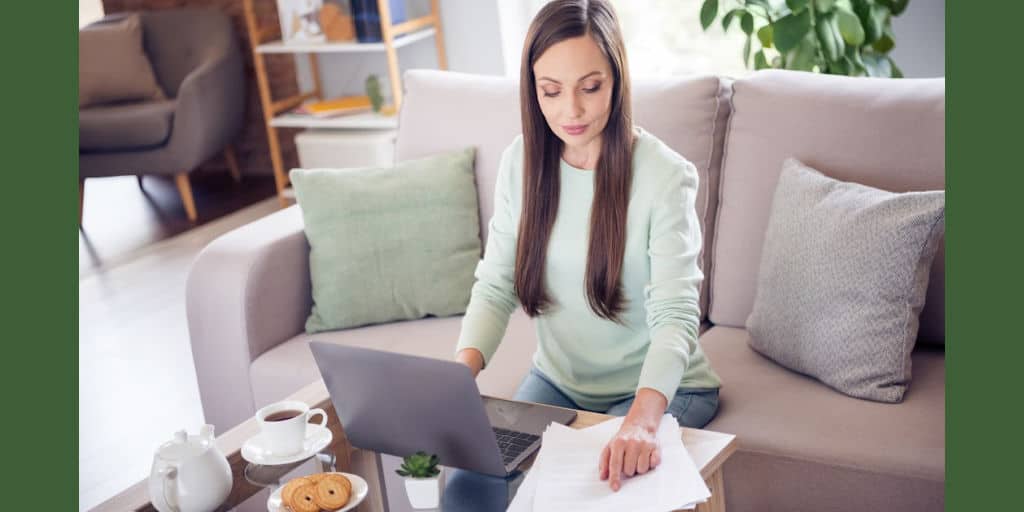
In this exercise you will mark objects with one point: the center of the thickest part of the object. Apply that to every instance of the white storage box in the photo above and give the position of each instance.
(346, 148)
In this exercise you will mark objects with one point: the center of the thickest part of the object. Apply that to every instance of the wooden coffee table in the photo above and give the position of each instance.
(253, 484)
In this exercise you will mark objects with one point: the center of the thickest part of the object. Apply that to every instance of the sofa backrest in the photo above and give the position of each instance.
(180, 40)
(443, 111)
(885, 133)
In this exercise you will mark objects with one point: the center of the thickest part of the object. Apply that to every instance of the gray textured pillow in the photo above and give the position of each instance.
(842, 280)
(390, 243)
(112, 64)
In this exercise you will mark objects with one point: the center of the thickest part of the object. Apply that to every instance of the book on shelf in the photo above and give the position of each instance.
(335, 106)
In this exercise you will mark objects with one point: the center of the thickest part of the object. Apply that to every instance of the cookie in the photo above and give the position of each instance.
(341, 479)
(332, 494)
(304, 499)
(289, 489)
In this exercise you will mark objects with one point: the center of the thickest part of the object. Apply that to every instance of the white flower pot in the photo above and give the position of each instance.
(423, 492)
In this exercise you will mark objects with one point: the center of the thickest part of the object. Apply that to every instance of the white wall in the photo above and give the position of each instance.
(921, 39)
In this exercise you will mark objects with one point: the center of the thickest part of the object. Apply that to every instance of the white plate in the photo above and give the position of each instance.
(359, 491)
(255, 450)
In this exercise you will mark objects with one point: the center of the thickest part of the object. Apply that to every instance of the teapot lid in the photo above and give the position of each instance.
(184, 446)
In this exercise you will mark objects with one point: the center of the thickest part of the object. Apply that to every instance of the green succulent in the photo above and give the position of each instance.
(837, 37)
(419, 465)
(373, 91)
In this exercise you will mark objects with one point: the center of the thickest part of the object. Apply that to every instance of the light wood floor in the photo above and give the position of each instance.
(137, 382)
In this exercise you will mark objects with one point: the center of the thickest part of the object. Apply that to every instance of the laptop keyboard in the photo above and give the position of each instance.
(512, 443)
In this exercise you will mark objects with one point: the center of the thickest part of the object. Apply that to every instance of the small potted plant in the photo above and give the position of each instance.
(421, 480)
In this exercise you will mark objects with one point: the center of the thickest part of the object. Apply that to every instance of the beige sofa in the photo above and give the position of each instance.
(803, 446)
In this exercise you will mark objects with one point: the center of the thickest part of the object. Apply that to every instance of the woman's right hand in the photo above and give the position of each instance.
(472, 358)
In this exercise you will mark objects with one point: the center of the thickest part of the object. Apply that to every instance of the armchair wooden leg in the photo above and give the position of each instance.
(185, 190)
(138, 178)
(229, 155)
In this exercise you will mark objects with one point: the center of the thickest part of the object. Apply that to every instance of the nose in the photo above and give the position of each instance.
(575, 105)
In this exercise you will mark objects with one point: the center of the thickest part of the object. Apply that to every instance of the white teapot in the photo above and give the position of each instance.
(189, 474)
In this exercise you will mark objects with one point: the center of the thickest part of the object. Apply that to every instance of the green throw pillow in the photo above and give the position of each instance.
(390, 243)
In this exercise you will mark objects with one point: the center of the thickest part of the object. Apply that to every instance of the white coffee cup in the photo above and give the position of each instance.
(283, 425)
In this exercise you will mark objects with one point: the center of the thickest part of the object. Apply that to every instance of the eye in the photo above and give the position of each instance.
(592, 90)
(550, 94)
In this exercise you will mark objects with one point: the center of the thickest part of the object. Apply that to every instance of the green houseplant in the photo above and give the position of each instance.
(422, 480)
(839, 37)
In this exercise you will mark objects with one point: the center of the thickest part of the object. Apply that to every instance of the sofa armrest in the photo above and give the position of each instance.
(209, 110)
(247, 292)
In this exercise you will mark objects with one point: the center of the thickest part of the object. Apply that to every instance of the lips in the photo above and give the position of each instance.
(575, 129)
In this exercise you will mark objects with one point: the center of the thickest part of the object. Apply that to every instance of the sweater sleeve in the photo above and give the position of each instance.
(493, 298)
(671, 296)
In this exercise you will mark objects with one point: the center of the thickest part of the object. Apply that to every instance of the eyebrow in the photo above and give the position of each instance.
(584, 77)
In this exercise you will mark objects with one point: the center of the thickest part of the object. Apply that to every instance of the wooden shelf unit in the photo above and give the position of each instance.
(276, 112)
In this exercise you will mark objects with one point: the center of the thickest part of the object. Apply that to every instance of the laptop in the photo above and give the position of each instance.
(400, 404)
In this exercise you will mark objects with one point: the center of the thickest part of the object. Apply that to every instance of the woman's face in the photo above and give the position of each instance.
(574, 89)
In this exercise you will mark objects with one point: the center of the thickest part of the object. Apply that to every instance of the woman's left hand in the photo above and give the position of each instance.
(631, 451)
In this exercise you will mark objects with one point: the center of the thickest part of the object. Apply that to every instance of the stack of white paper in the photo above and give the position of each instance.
(565, 474)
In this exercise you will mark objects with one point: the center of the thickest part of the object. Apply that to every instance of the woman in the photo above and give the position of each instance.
(616, 311)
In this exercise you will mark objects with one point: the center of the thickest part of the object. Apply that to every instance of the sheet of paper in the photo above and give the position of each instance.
(565, 475)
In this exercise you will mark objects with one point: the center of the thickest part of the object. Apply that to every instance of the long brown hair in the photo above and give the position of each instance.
(557, 21)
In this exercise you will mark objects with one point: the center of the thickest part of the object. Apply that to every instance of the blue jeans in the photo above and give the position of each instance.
(471, 491)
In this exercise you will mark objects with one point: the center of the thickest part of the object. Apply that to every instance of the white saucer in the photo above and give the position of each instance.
(359, 491)
(255, 450)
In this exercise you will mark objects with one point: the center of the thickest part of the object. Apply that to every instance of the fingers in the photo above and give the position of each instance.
(633, 448)
(602, 464)
(643, 463)
(655, 457)
(615, 464)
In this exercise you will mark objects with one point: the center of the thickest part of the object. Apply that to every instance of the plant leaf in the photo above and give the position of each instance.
(746, 52)
(896, 71)
(708, 11)
(790, 30)
(760, 62)
(825, 5)
(839, 67)
(823, 29)
(895, 6)
(796, 5)
(764, 34)
(727, 19)
(877, 65)
(849, 27)
(886, 42)
(804, 55)
(747, 23)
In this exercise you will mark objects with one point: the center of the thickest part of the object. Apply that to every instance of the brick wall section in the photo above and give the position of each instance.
(253, 151)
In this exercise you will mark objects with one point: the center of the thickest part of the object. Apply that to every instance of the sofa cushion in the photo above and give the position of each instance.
(112, 64)
(441, 111)
(125, 126)
(804, 446)
(390, 244)
(842, 279)
(886, 133)
(289, 366)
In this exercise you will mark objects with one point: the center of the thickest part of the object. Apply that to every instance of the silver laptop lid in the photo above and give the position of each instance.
(400, 404)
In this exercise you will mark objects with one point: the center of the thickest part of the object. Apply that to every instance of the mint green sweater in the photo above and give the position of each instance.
(594, 361)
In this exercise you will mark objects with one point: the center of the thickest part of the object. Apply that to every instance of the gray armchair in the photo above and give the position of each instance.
(197, 61)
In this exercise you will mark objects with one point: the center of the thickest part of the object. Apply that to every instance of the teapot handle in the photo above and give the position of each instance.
(170, 483)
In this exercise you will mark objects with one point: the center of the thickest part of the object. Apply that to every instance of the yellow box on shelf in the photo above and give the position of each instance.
(336, 106)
